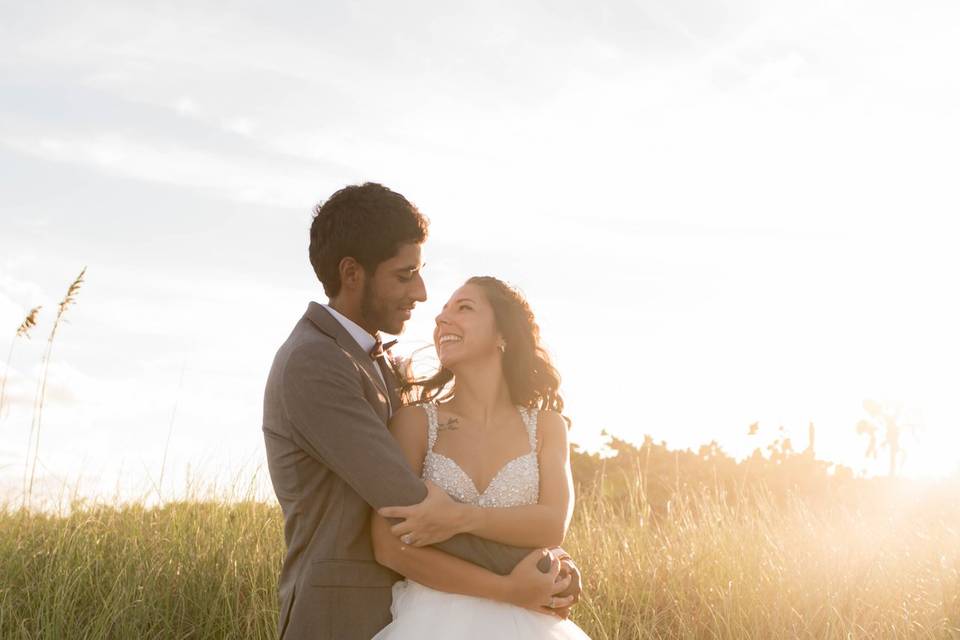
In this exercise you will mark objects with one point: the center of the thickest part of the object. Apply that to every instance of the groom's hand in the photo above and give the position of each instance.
(437, 518)
(568, 569)
(531, 587)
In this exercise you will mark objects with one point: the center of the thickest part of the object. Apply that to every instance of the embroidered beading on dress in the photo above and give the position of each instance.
(516, 483)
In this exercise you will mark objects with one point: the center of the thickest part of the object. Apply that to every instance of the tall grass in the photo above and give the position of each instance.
(34, 438)
(707, 568)
(760, 568)
(184, 570)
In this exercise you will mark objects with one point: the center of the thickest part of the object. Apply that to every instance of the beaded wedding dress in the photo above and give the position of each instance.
(421, 612)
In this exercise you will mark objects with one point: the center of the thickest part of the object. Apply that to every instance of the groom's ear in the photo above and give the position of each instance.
(352, 273)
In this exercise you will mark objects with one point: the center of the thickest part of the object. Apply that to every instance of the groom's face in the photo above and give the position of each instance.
(393, 289)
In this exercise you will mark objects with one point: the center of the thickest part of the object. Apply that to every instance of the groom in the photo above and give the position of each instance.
(328, 398)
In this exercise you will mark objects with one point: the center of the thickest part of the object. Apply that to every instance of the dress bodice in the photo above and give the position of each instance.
(516, 483)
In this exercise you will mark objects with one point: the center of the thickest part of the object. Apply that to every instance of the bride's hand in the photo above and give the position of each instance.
(531, 588)
(437, 518)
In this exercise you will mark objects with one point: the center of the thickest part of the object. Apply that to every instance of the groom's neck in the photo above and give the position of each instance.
(352, 311)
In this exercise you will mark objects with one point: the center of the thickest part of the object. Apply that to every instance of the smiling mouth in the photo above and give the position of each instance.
(448, 338)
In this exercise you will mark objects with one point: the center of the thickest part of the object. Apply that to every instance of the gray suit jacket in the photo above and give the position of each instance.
(331, 459)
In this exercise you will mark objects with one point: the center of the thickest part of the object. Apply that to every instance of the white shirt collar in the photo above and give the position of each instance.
(358, 333)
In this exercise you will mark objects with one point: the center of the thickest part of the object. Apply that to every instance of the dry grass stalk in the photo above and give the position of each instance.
(23, 331)
(28, 323)
(65, 304)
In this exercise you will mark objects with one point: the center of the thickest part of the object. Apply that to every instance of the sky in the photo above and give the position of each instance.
(722, 213)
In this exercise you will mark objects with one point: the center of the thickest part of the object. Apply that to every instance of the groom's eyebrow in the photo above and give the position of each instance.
(411, 269)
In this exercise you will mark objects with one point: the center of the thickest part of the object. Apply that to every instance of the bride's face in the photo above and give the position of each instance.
(466, 329)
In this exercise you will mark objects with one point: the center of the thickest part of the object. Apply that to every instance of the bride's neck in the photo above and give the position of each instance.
(480, 392)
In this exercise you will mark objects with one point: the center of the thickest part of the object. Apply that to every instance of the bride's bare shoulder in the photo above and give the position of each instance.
(409, 422)
(551, 427)
(409, 428)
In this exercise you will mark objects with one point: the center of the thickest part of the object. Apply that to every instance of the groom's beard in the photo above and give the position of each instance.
(375, 311)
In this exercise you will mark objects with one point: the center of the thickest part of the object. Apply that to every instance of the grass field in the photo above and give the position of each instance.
(703, 568)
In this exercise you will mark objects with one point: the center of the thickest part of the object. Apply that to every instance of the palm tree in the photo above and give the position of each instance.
(888, 418)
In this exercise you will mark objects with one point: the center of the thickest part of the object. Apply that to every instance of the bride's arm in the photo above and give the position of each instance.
(538, 525)
(434, 568)
(526, 586)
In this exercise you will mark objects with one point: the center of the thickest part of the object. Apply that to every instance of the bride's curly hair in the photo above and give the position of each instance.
(531, 378)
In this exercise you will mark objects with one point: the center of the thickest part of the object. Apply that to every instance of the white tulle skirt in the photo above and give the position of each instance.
(421, 612)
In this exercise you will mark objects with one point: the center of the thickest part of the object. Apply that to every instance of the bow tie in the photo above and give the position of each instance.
(380, 349)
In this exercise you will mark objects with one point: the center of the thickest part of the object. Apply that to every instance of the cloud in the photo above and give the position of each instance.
(18, 296)
(66, 386)
(751, 193)
(186, 107)
(282, 183)
(239, 125)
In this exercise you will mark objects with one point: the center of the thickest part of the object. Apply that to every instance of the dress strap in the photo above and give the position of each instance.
(529, 416)
(432, 423)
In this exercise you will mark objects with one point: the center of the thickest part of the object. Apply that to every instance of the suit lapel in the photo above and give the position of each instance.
(394, 386)
(329, 325)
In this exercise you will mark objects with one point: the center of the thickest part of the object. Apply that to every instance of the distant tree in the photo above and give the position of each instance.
(661, 472)
(891, 421)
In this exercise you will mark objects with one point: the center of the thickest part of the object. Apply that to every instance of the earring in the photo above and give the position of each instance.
(503, 347)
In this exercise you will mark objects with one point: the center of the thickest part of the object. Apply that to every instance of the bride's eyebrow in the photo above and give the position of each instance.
(458, 301)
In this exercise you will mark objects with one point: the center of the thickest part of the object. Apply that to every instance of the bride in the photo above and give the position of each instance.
(489, 440)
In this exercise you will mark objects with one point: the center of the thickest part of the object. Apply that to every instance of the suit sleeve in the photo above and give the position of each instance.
(332, 421)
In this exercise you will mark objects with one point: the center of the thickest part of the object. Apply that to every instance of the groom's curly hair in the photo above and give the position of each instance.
(366, 222)
(531, 378)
